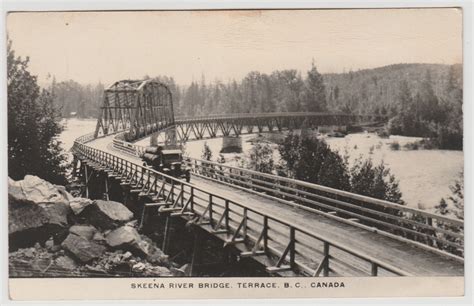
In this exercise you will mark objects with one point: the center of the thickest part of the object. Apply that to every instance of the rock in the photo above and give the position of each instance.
(106, 214)
(37, 210)
(78, 204)
(156, 271)
(85, 231)
(81, 248)
(38, 262)
(133, 223)
(36, 190)
(153, 253)
(56, 248)
(126, 256)
(30, 252)
(98, 237)
(177, 272)
(123, 236)
(186, 269)
(64, 192)
(96, 270)
(127, 238)
(138, 267)
(65, 262)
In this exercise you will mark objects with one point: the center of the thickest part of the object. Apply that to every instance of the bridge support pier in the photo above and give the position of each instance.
(231, 144)
(167, 232)
(197, 250)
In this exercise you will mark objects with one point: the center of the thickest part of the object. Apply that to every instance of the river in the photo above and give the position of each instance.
(424, 175)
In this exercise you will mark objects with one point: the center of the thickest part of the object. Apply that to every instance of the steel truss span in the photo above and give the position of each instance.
(236, 124)
(139, 108)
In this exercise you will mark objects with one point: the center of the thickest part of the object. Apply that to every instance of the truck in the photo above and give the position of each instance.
(166, 160)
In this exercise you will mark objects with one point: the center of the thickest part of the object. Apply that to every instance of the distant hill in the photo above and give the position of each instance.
(374, 89)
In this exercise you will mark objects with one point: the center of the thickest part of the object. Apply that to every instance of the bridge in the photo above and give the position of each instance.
(291, 227)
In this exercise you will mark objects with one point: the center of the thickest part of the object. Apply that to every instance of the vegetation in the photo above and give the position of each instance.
(374, 181)
(206, 152)
(311, 160)
(453, 207)
(395, 146)
(71, 97)
(427, 115)
(423, 100)
(260, 158)
(33, 126)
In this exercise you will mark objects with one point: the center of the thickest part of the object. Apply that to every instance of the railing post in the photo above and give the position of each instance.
(227, 215)
(374, 269)
(210, 210)
(172, 191)
(191, 196)
(326, 257)
(292, 247)
(244, 229)
(265, 234)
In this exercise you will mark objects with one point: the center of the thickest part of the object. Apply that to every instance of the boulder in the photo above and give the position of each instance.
(39, 262)
(81, 248)
(154, 254)
(106, 214)
(127, 238)
(66, 263)
(78, 204)
(37, 210)
(98, 237)
(85, 231)
(36, 190)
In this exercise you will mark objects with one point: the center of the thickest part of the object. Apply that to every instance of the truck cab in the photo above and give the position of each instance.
(167, 161)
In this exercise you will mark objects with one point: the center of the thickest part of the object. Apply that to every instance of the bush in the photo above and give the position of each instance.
(261, 158)
(395, 146)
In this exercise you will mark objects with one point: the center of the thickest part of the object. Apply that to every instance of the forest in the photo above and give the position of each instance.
(423, 100)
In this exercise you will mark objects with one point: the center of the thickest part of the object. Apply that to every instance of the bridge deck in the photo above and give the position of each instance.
(403, 255)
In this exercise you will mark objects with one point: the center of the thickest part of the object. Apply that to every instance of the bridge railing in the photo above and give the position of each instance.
(432, 230)
(291, 245)
(183, 119)
(403, 221)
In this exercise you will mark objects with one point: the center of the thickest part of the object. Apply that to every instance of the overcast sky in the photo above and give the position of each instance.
(90, 46)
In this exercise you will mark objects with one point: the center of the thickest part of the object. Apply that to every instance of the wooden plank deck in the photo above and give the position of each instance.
(405, 256)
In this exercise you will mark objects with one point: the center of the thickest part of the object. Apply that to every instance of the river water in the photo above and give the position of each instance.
(424, 175)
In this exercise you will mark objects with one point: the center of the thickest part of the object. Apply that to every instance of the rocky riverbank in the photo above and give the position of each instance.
(52, 234)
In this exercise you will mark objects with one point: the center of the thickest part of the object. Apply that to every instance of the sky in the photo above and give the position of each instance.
(89, 47)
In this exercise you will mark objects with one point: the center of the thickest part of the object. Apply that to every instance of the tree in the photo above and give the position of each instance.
(311, 160)
(33, 126)
(374, 181)
(452, 207)
(206, 152)
(314, 92)
(261, 158)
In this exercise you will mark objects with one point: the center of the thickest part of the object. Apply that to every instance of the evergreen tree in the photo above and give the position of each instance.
(452, 207)
(261, 158)
(33, 126)
(314, 91)
(311, 160)
(206, 152)
(375, 181)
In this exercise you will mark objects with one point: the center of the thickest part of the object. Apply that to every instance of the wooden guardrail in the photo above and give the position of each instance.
(294, 247)
(431, 229)
(411, 223)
